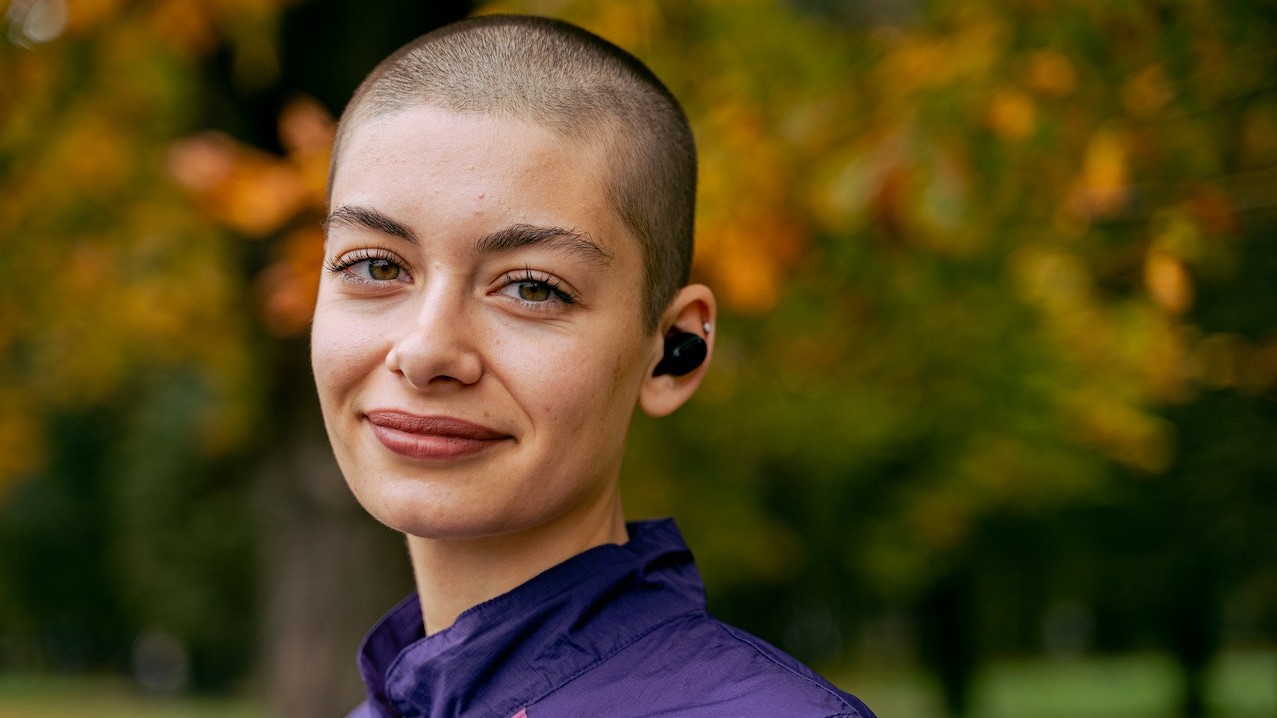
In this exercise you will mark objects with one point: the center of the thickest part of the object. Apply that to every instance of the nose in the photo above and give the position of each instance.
(436, 346)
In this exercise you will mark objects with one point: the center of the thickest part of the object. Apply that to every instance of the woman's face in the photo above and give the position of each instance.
(477, 344)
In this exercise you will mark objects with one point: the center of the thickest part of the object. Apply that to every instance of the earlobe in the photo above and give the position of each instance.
(687, 344)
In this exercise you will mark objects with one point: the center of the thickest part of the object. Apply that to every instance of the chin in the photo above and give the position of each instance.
(416, 512)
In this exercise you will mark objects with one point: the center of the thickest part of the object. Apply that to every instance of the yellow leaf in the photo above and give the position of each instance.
(1103, 186)
(1123, 432)
(1051, 72)
(1011, 114)
(1168, 282)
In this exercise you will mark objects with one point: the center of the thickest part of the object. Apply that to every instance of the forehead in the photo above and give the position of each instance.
(433, 142)
(432, 163)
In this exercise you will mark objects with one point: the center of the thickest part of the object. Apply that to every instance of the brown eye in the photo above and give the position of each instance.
(383, 270)
(534, 291)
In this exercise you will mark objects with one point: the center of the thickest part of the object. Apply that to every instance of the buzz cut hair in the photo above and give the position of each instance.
(582, 88)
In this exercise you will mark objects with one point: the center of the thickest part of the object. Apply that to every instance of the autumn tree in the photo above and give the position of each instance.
(980, 263)
(127, 355)
(165, 474)
(998, 319)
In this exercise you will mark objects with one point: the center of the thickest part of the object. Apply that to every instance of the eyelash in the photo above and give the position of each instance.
(342, 263)
(339, 264)
(549, 281)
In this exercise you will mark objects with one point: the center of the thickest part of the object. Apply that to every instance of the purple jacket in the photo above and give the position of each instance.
(617, 631)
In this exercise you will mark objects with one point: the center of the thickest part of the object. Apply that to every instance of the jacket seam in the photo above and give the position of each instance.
(604, 658)
(789, 669)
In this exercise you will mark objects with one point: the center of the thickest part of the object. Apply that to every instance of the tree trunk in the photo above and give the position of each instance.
(1194, 632)
(948, 639)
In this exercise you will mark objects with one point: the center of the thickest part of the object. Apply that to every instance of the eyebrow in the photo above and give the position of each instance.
(507, 239)
(517, 236)
(369, 218)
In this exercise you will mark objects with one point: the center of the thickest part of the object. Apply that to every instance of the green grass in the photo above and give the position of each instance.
(108, 697)
(1243, 685)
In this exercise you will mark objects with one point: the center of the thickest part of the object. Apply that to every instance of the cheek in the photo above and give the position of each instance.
(340, 349)
(571, 385)
(537, 374)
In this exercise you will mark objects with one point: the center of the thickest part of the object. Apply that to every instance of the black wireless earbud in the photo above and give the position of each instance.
(684, 352)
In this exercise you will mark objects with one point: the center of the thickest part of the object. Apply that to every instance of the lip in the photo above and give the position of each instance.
(431, 437)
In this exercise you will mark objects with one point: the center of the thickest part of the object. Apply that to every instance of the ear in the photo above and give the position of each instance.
(692, 310)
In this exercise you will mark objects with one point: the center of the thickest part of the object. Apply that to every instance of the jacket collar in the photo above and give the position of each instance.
(505, 654)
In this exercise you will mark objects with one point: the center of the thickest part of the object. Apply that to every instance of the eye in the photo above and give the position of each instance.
(371, 266)
(383, 270)
(535, 289)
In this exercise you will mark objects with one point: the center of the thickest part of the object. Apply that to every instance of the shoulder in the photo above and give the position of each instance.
(363, 710)
(698, 667)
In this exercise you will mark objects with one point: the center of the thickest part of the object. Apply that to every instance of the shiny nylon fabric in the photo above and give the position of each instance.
(615, 631)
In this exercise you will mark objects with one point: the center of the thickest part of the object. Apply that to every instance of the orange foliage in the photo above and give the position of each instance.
(973, 160)
(1168, 282)
(287, 287)
(136, 282)
(246, 189)
(1049, 71)
(1012, 114)
(86, 15)
(744, 259)
(187, 26)
(855, 151)
(1103, 184)
(259, 195)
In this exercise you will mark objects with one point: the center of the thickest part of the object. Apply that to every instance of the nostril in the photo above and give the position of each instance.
(425, 358)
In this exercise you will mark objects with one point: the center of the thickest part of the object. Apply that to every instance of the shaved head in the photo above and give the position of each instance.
(577, 85)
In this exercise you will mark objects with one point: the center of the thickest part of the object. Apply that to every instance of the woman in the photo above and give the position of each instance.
(508, 243)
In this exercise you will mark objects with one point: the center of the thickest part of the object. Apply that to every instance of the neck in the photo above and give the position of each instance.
(454, 575)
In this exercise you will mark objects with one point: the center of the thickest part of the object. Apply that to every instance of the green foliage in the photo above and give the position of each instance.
(971, 258)
(126, 350)
(996, 287)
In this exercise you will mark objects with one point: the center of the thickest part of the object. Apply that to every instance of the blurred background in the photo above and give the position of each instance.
(991, 429)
